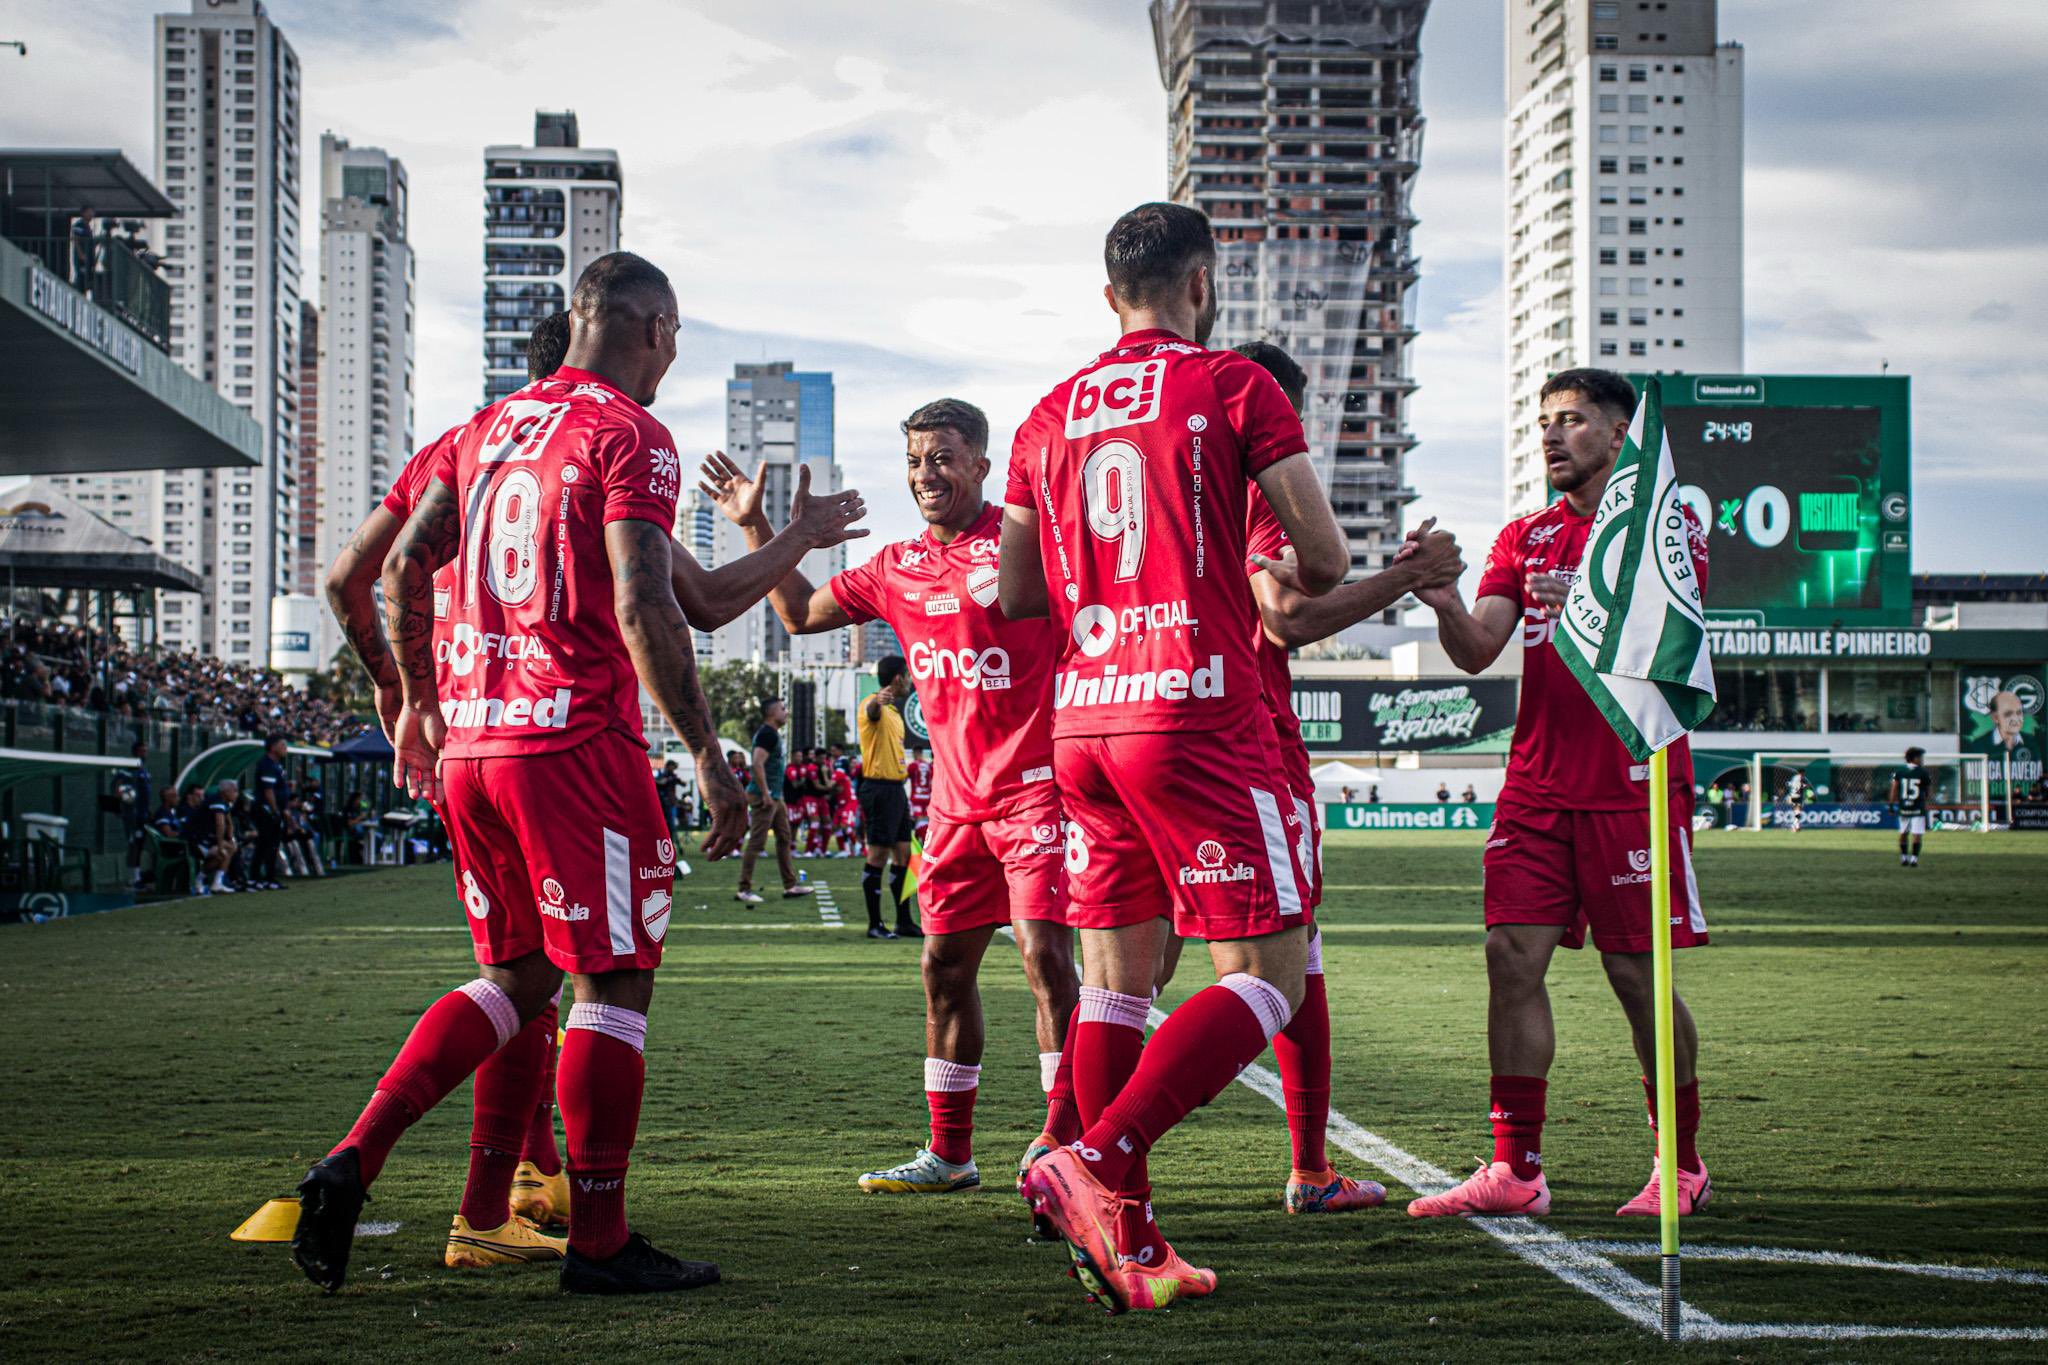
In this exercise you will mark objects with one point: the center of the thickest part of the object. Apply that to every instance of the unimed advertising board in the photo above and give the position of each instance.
(1804, 486)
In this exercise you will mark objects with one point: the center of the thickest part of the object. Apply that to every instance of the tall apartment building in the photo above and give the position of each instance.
(227, 141)
(1624, 212)
(309, 568)
(777, 419)
(549, 210)
(367, 301)
(697, 522)
(1295, 125)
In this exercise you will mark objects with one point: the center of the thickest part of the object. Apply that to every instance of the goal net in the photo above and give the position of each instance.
(1961, 798)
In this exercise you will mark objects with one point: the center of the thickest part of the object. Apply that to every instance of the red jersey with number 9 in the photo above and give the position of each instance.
(1138, 467)
(534, 659)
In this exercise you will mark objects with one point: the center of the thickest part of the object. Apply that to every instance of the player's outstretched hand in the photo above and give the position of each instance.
(416, 753)
(727, 803)
(1286, 570)
(1435, 558)
(1547, 591)
(826, 520)
(730, 488)
(1412, 541)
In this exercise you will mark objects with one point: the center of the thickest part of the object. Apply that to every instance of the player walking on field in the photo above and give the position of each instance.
(1124, 520)
(1569, 847)
(1289, 619)
(1908, 797)
(993, 856)
(556, 504)
(709, 598)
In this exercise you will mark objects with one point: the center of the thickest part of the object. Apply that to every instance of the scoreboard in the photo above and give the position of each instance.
(1804, 485)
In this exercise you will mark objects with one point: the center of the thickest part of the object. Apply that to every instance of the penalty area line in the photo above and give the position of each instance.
(1712, 1251)
(1582, 1264)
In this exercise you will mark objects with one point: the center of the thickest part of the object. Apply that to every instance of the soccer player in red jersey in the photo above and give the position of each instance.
(1289, 619)
(556, 505)
(846, 810)
(920, 776)
(994, 854)
(1124, 520)
(1569, 848)
(540, 1190)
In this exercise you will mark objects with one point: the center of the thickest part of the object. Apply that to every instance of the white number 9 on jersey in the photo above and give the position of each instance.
(510, 567)
(1113, 486)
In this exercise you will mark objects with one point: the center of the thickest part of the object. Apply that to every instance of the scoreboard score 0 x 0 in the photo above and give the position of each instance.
(1804, 485)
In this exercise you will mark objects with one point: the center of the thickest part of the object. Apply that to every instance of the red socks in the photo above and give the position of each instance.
(1192, 1056)
(1137, 1236)
(600, 1078)
(539, 1147)
(451, 1040)
(949, 1091)
(1518, 1123)
(1062, 1111)
(1303, 1051)
(1688, 1120)
(505, 1088)
(1105, 1040)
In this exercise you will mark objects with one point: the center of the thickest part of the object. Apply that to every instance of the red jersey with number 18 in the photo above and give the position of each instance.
(1139, 468)
(985, 681)
(1565, 755)
(535, 659)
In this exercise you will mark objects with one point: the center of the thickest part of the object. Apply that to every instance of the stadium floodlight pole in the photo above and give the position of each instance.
(1667, 1063)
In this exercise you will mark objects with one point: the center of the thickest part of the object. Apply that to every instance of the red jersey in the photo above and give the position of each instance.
(920, 774)
(985, 681)
(418, 472)
(1264, 535)
(1565, 755)
(1138, 467)
(535, 659)
(842, 788)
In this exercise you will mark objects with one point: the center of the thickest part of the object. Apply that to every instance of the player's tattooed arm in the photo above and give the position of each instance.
(1430, 559)
(657, 638)
(423, 544)
(1020, 580)
(770, 569)
(349, 596)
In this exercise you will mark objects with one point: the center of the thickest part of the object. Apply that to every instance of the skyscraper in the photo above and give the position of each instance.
(1624, 211)
(1295, 126)
(778, 418)
(366, 353)
(549, 210)
(227, 121)
(310, 567)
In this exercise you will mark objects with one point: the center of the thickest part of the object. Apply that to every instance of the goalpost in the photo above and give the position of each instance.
(1865, 779)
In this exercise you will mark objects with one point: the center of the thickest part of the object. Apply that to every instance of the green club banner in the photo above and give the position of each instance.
(2001, 718)
(1468, 815)
(1421, 715)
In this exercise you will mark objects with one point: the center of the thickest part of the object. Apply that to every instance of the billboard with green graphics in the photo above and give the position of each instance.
(2001, 716)
(1804, 485)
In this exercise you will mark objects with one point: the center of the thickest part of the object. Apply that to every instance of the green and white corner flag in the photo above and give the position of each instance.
(1634, 628)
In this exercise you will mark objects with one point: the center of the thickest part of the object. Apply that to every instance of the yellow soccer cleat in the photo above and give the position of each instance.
(515, 1242)
(925, 1173)
(540, 1199)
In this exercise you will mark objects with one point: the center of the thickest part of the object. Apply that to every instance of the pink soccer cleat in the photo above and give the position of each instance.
(1493, 1188)
(1076, 1206)
(1327, 1192)
(1695, 1189)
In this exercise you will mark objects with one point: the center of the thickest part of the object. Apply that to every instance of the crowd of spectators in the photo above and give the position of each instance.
(59, 664)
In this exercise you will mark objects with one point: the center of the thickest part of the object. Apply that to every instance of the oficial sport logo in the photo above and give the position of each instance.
(1115, 396)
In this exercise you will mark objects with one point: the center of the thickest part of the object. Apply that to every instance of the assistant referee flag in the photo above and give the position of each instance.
(1634, 628)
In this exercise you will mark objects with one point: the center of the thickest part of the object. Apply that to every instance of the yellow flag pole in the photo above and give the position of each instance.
(1667, 1078)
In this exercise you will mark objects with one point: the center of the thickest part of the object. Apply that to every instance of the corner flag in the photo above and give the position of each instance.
(1634, 633)
(1634, 628)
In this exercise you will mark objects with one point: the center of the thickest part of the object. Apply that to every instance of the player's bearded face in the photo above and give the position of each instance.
(1579, 441)
(1205, 314)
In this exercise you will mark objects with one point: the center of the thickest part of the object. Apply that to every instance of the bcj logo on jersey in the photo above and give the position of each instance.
(1115, 396)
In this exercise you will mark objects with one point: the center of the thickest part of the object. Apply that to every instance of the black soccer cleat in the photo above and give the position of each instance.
(638, 1268)
(906, 929)
(330, 1199)
(877, 931)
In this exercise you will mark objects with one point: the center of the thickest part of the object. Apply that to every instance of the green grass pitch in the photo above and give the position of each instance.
(1872, 1062)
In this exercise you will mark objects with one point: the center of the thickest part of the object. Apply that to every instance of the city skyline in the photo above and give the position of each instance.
(916, 228)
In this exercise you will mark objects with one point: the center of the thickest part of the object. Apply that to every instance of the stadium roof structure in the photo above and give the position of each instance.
(25, 765)
(59, 181)
(234, 758)
(49, 540)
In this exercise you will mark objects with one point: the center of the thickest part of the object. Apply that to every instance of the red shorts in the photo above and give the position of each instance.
(565, 852)
(1576, 868)
(982, 872)
(1200, 827)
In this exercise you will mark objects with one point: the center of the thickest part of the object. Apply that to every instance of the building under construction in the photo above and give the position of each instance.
(1295, 125)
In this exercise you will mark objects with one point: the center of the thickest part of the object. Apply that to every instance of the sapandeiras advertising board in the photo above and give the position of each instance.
(1420, 715)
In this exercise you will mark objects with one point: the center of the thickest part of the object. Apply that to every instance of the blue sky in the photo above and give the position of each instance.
(913, 196)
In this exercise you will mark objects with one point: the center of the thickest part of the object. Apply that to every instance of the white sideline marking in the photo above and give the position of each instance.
(828, 908)
(377, 1229)
(1581, 1264)
(1706, 1251)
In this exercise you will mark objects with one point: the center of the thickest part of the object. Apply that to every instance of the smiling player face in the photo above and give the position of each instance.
(945, 477)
